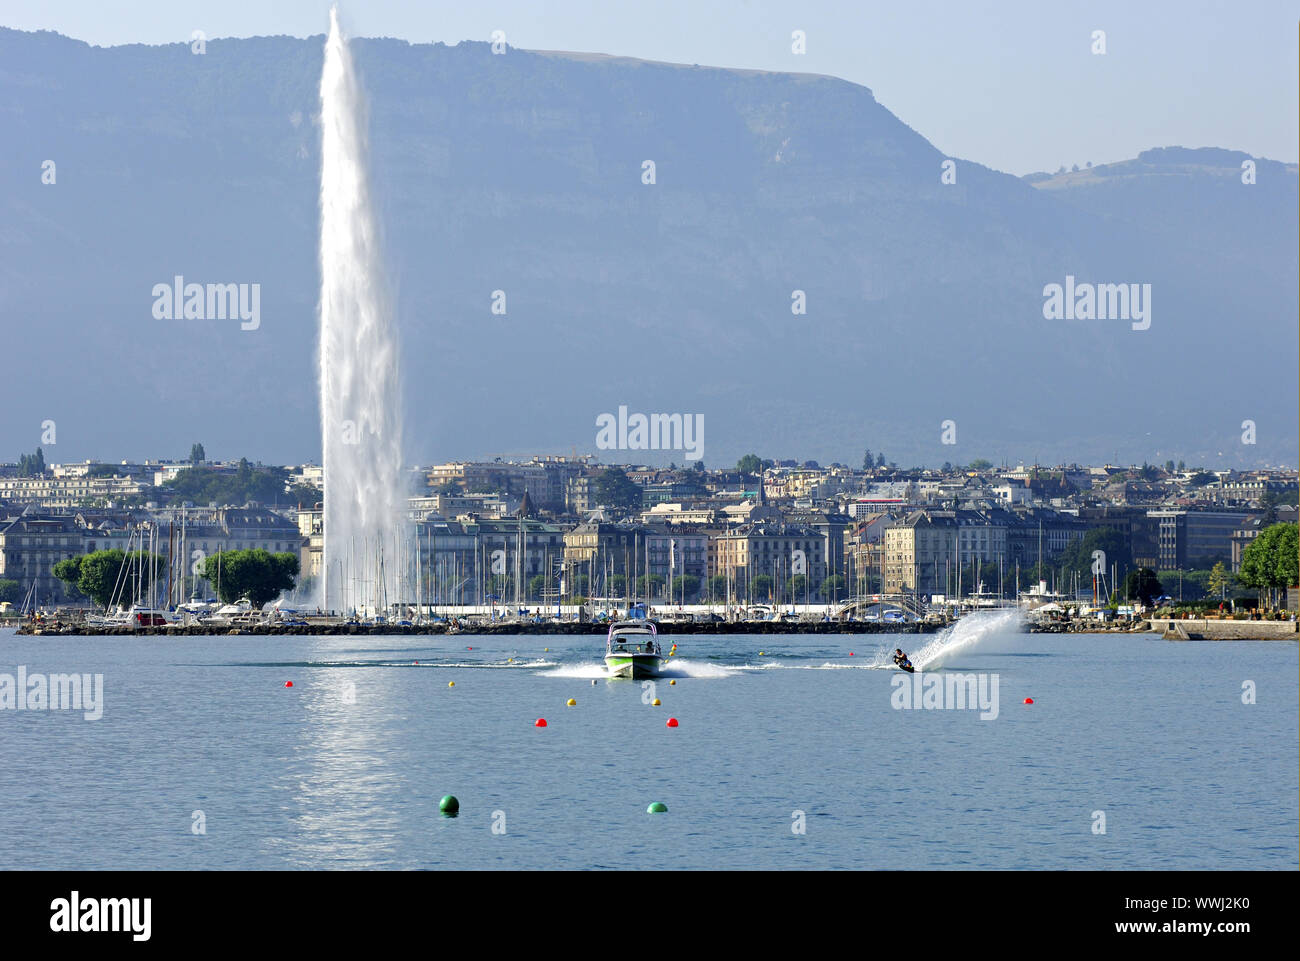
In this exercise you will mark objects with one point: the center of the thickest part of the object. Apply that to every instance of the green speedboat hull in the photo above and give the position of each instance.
(634, 665)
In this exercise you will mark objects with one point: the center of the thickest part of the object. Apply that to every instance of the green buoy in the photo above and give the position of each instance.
(449, 806)
(658, 807)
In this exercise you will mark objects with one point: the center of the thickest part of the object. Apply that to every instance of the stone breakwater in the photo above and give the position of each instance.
(1176, 629)
(543, 628)
(1211, 629)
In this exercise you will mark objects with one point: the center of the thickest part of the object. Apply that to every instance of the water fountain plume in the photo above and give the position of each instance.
(365, 534)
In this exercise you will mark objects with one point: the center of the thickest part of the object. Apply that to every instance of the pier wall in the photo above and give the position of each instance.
(511, 628)
(1225, 630)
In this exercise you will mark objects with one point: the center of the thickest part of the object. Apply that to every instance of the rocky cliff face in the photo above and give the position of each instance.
(523, 173)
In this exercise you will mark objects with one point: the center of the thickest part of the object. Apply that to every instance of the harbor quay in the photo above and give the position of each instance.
(472, 629)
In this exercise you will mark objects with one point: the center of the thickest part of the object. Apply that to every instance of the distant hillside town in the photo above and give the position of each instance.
(554, 528)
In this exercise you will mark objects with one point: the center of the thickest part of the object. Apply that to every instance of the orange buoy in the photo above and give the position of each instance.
(541, 722)
(1029, 700)
(288, 683)
(672, 722)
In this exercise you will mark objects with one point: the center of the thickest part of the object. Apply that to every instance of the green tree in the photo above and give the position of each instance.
(1142, 584)
(868, 583)
(1201, 478)
(761, 587)
(1030, 576)
(795, 587)
(197, 456)
(749, 464)
(1270, 499)
(32, 465)
(112, 575)
(1077, 556)
(979, 463)
(686, 585)
(988, 576)
(536, 586)
(1185, 585)
(256, 574)
(617, 585)
(9, 590)
(833, 587)
(656, 585)
(68, 571)
(880, 460)
(1271, 561)
(718, 587)
(206, 485)
(305, 494)
(1218, 582)
(1169, 467)
(616, 490)
(867, 461)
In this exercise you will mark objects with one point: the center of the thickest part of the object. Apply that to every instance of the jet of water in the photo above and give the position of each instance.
(967, 632)
(365, 536)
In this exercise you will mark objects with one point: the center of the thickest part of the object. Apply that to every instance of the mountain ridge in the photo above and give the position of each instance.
(522, 173)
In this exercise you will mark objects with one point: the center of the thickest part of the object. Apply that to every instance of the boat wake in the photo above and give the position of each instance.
(675, 667)
(962, 636)
(582, 671)
(825, 666)
(681, 667)
(416, 663)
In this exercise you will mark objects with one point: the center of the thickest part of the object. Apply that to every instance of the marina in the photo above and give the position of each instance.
(335, 626)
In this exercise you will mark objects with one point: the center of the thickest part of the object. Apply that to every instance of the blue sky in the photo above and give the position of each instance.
(1013, 84)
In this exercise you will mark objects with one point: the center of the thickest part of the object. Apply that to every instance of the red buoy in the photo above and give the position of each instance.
(288, 683)
(850, 653)
(541, 722)
(1029, 700)
(672, 722)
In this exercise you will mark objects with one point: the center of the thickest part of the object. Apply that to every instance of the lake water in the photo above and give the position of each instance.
(793, 758)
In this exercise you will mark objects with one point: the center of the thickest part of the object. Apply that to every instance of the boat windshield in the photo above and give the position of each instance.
(640, 637)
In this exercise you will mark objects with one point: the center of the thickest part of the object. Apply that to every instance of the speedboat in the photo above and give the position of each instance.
(632, 649)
